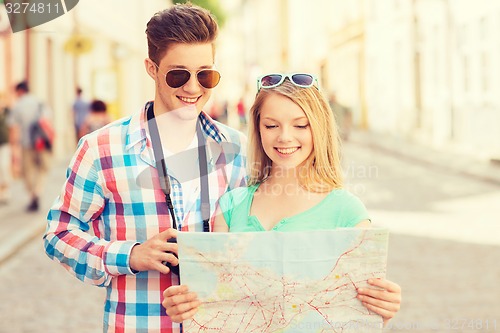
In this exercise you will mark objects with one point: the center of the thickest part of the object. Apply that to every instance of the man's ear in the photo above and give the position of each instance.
(150, 68)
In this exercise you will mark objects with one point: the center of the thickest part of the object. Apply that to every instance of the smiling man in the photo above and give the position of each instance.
(131, 184)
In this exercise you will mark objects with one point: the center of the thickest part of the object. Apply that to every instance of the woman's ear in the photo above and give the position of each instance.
(150, 68)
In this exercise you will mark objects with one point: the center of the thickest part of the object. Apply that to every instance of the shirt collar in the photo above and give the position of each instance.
(138, 138)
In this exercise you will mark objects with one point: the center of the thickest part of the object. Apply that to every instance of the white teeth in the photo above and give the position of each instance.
(188, 100)
(287, 151)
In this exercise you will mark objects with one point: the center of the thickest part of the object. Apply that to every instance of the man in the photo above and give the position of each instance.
(5, 153)
(26, 111)
(116, 185)
(81, 110)
(343, 116)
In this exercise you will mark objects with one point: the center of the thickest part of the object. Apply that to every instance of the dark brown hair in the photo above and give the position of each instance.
(181, 23)
(98, 106)
(22, 86)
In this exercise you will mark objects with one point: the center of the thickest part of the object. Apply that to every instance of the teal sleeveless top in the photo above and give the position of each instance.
(339, 209)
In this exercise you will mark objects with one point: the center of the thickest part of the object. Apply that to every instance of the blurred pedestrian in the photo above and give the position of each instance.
(5, 152)
(223, 117)
(214, 110)
(343, 116)
(242, 113)
(97, 118)
(132, 183)
(81, 110)
(27, 110)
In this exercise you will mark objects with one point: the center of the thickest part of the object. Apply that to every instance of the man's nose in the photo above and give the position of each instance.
(192, 85)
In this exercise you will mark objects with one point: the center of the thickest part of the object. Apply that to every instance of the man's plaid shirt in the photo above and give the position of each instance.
(112, 200)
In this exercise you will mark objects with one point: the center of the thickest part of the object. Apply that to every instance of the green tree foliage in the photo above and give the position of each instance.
(212, 5)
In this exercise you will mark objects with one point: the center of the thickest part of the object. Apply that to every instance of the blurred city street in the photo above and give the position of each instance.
(449, 275)
(413, 86)
(37, 294)
(442, 212)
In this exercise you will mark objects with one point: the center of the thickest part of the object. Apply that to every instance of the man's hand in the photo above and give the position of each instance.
(151, 254)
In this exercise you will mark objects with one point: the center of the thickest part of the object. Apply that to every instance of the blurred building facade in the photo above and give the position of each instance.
(432, 72)
(99, 46)
(424, 70)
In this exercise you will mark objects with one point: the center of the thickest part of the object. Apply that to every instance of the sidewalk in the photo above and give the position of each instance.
(467, 166)
(464, 210)
(18, 226)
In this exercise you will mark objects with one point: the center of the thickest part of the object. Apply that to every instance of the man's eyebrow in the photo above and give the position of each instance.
(185, 67)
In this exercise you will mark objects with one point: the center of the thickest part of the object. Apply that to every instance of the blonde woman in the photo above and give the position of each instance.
(295, 182)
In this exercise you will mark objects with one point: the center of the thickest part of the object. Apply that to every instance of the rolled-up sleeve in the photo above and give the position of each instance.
(71, 238)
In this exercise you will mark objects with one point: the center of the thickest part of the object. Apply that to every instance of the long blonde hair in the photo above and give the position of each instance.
(321, 170)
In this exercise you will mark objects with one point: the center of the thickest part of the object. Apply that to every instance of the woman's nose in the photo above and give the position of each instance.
(284, 135)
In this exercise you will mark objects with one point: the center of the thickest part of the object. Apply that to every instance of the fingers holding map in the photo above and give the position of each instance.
(283, 281)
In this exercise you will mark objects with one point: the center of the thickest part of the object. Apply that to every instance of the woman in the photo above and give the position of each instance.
(294, 165)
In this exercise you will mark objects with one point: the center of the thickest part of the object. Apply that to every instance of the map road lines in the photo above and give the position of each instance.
(282, 282)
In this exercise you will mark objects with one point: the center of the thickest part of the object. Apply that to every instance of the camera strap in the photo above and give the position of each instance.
(162, 169)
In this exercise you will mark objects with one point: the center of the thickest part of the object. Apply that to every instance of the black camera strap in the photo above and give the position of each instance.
(162, 169)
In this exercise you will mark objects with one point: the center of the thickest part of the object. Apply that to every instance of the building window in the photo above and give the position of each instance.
(485, 84)
(396, 5)
(483, 29)
(466, 71)
(462, 36)
(372, 10)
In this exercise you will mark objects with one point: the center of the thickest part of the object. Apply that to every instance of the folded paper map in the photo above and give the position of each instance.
(290, 282)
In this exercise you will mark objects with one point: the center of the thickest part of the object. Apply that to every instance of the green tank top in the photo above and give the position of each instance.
(339, 209)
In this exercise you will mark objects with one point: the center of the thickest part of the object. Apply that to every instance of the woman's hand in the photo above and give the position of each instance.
(179, 303)
(384, 300)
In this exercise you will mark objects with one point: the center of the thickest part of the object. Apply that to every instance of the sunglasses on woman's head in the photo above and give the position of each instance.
(207, 78)
(303, 80)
